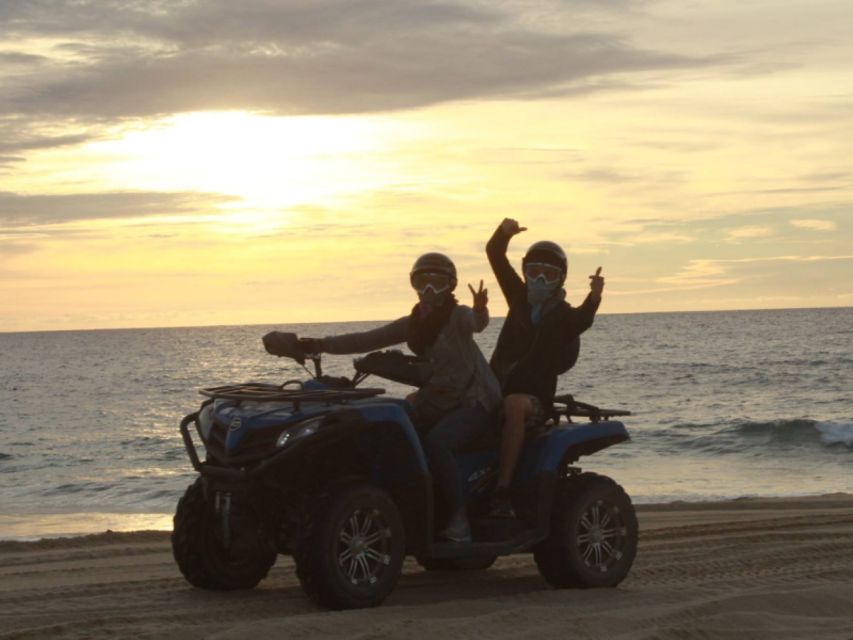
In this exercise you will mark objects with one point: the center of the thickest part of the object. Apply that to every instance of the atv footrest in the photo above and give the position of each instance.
(497, 529)
(521, 542)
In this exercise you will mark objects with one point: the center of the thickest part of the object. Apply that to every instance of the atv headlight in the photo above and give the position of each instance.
(302, 430)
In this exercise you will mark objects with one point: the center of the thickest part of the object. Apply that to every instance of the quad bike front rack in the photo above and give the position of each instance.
(259, 392)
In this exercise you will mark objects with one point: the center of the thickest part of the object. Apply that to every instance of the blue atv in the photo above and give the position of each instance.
(334, 474)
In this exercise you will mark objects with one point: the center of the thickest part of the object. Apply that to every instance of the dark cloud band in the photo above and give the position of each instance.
(20, 210)
(326, 56)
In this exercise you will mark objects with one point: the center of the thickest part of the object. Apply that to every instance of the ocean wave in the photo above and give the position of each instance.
(79, 487)
(4, 456)
(800, 431)
(836, 432)
(755, 437)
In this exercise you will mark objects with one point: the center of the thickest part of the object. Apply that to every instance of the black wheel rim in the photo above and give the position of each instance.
(364, 543)
(601, 536)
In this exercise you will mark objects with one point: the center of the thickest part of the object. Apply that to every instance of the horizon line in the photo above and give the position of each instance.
(267, 324)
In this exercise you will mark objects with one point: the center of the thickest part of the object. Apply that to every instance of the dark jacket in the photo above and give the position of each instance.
(528, 358)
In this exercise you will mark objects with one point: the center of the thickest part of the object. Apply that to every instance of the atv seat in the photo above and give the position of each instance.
(490, 439)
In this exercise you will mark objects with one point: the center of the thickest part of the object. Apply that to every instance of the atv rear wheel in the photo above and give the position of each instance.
(479, 563)
(202, 557)
(352, 553)
(593, 538)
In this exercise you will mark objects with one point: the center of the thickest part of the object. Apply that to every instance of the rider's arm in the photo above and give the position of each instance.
(510, 282)
(471, 320)
(580, 319)
(480, 319)
(364, 341)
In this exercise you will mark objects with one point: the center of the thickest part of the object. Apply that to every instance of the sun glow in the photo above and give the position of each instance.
(267, 162)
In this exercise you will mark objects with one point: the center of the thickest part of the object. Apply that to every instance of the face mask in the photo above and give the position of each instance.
(538, 290)
(430, 297)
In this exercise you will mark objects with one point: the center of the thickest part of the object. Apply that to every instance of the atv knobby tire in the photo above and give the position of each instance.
(351, 553)
(479, 563)
(593, 537)
(201, 556)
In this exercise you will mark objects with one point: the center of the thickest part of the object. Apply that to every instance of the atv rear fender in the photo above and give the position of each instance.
(565, 444)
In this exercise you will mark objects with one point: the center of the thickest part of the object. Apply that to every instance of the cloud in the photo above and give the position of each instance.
(711, 271)
(791, 258)
(827, 176)
(15, 248)
(17, 210)
(814, 224)
(12, 59)
(705, 273)
(128, 59)
(23, 143)
(605, 175)
(8, 160)
(699, 274)
(743, 233)
(645, 179)
(20, 134)
(738, 224)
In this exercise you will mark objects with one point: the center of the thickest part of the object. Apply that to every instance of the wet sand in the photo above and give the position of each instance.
(745, 569)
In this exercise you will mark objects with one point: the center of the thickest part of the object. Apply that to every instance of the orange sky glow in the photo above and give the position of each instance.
(201, 164)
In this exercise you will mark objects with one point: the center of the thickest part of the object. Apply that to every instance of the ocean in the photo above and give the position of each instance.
(724, 405)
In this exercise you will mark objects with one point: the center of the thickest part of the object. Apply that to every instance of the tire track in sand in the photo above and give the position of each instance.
(725, 579)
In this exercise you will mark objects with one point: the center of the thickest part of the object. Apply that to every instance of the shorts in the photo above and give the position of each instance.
(535, 420)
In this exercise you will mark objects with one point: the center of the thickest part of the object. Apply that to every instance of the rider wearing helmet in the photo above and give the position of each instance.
(462, 394)
(539, 341)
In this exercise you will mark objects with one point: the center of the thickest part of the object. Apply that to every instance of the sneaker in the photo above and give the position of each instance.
(457, 532)
(501, 505)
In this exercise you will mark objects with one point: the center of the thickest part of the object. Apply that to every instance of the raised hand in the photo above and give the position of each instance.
(596, 282)
(510, 227)
(481, 297)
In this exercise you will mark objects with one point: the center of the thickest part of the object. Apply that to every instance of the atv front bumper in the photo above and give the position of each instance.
(232, 473)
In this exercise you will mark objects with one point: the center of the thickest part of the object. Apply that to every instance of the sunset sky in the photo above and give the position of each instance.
(173, 163)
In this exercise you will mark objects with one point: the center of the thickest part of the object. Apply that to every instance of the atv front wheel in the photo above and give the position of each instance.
(593, 538)
(352, 553)
(203, 558)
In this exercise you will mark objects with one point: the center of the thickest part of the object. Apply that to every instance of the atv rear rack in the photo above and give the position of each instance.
(576, 408)
(259, 392)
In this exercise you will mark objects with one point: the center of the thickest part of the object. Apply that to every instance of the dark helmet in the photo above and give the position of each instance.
(435, 263)
(547, 252)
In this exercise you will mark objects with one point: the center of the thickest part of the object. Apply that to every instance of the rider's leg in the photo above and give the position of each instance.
(453, 431)
(517, 407)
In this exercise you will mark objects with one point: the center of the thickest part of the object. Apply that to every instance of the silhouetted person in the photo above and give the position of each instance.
(462, 395)
(537, 343)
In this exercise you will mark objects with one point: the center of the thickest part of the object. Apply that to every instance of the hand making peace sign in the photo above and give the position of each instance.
(481, 297)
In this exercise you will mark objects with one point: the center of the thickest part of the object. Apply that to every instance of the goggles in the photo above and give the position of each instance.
(437, 281)
(547, 272)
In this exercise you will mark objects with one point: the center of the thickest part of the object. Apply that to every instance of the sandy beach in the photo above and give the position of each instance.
(752, 568)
